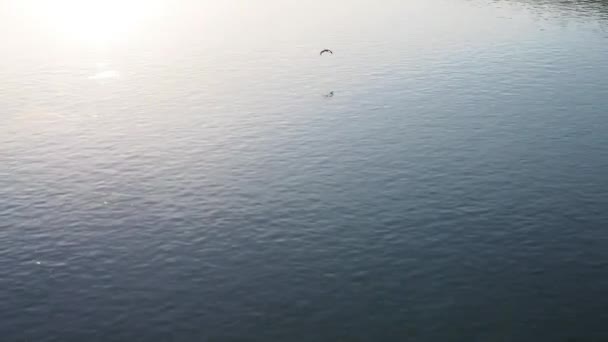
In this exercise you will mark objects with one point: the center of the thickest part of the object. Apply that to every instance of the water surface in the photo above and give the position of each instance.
(181, 177)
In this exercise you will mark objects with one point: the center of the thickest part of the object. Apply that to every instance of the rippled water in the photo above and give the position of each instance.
(189, 181)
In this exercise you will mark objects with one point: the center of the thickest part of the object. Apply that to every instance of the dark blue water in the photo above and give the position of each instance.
(183, 178)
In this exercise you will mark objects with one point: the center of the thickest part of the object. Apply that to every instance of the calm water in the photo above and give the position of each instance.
(183, 178)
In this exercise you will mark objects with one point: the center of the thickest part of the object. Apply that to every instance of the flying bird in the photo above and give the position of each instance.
(326, 51)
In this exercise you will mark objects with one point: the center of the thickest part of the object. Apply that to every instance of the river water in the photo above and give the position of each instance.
(177, 173)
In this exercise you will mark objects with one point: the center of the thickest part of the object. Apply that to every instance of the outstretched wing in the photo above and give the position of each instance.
(326, 50)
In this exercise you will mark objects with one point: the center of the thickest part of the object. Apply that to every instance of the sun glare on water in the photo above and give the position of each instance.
(98, 21)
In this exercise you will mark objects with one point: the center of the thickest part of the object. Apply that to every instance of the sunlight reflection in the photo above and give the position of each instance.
(98, 21)
(103, 75)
